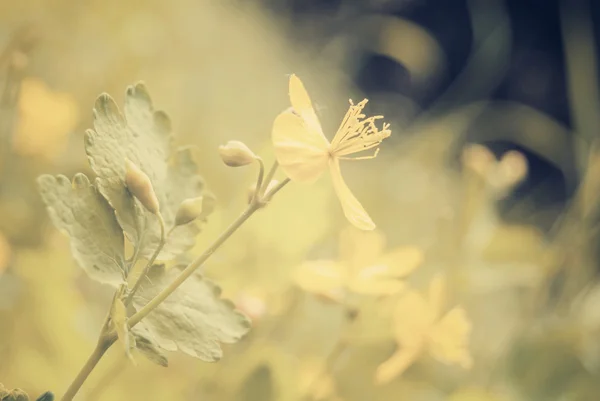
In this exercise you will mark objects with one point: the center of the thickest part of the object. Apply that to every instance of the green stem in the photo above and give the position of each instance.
(270, 176)
(108, 337)
(271, 194)
(191, 268)
(103, 345)
(144, 273)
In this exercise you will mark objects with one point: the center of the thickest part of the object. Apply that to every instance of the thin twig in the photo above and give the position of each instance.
(144, 273)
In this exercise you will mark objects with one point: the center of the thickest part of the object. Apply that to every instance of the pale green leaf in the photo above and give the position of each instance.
(80, 211)
(143, 136)
(194, 319)
(145, 343)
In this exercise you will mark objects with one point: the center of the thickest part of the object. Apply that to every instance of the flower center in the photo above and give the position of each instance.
(357, 133)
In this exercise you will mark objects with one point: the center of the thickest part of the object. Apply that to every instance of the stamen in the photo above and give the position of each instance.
(374, 155)
(351, 118)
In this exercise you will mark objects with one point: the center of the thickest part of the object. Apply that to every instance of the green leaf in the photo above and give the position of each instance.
(194, 319)
(97, 241)
(145, 343)
(143, 136)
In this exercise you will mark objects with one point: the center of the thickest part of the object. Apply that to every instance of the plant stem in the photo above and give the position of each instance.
(144, 273)
(103, 345)
(191, 268)
(259, 179)
(270, 176)
(108, 337)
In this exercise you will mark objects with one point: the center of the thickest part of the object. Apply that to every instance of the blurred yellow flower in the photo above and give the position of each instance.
(45, 119)
(304, 152)
(363, 268)
(5, 253)
(418, 327)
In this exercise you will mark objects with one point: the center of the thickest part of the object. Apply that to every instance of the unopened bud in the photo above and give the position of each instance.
(189, 210)
(478, 159)
(512, 168)
(140, 186)
(236, 154)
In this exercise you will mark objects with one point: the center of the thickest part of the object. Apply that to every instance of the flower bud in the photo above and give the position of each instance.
(236, 154)
(512, 168)
(140, 186)
(189, 210)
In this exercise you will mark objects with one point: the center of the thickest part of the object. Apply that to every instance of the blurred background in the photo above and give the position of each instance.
(491, 174)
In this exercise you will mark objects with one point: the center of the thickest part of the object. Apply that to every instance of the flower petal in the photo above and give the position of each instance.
(303, 106)
(402, 261)
(360, 248)
(300, 151)
(353, 210)
(396, 364)
(437, 295)
(320, 276)
(448, 339)
(372, 280)
(412, 320)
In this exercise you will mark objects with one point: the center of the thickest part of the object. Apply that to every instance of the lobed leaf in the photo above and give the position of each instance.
(194, 319)
(145, 343)
(97, 241)
(143, 136)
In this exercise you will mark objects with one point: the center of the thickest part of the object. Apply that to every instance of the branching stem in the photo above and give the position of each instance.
(144, 273)
(108, 336)
(191, 268)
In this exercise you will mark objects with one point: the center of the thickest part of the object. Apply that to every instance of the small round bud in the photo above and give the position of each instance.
(189, 210)
(140, 186)
(512, 168)
(478, 159)
(236, 154)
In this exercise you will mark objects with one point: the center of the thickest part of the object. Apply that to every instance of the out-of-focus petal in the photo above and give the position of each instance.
(301, 151)
(375, 280)
(320, 276)
(449, 338)
(402, 261)
(353, 210)
(360, 248)
(303, 106)
(396, 365)
(437, 295)
(413, 319)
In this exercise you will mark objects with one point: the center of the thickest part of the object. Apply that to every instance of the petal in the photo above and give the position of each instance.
(300, 151)
(370, 281)
(360, 248)
(396, 364)
(402, 261)
(320, 276)
(437, 294)
(449, 338)
(413, 319)
(353, 210)
(303, 106)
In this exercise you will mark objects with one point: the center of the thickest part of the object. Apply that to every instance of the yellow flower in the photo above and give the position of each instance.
(418, 327)
(46, 118)
(304, 153)
(363, 268)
